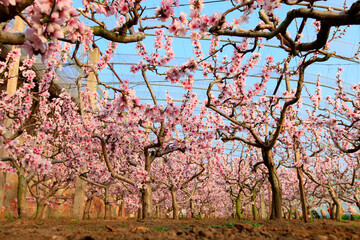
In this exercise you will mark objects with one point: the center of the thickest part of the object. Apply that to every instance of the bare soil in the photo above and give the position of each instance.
(127, 228)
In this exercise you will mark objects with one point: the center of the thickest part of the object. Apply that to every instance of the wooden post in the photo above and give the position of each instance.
(80, 185)
(79, 198)
(262, 204)
(11, 89)
(14, 66)
(91, 81)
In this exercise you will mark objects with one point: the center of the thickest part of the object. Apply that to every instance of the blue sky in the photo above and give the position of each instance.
(126, 54)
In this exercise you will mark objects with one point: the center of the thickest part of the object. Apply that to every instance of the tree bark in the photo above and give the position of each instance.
(332, 211)
(21, 192)
(157, 211)
(301, 183)
(40, 206)
(291, 212)
(192, 208)
(107, 204)
(276, 209)
(147, 200)
(2, 188)
(238, 206)
(140, 212)
(262, 204)
(79, 197)
(121, 212)
(87, 208)
(337, 203)
(254, 208)
(175, 206)
(302, 194)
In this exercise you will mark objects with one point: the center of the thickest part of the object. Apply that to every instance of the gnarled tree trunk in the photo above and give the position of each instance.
(254, 208)
(21, 192)
(107, 203)
(276, 209)
(40, 206)
(337, 203)
(175, 206)
(238, 206)
(147, 201)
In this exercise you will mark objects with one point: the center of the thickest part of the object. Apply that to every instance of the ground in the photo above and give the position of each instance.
(127, 228)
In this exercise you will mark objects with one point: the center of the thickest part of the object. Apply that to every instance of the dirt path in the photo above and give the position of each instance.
(61, 229)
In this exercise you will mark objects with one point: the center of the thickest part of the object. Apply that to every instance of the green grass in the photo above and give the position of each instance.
(159, 229)
(40, 223)
(70, 227)
(185, 227)
(9, 218)
(218, 226)
(231, 224)
(254, 224)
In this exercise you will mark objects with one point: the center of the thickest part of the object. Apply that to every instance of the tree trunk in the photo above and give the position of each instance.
(140, 212)
(175, 206)
(238, 206)
(297, 214)
(79, 197)
(40, 206)
(87, 208)
(254, 208)
(192, 207)
(337, 203)
(107, 204)
(332, 211)
(147, 201)
(121, 212)
(291, 212)
(302, 194)
(21, 192)
(2, 188)
(157, 211)
(276, 205)
(262, 204)
(301, 184)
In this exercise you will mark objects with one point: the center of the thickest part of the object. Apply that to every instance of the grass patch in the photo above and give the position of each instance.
(70, 227)
(9, 218)
(253, 224)
(231, 224)
(185, 227)
(40, 223)
(159, 229)
(218, 226)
